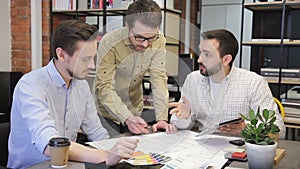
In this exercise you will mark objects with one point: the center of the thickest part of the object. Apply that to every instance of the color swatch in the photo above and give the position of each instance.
(140, 158)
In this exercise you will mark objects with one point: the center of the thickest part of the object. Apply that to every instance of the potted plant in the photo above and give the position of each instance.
(259, 144)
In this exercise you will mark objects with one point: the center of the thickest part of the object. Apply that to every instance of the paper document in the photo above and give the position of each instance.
(186, 148)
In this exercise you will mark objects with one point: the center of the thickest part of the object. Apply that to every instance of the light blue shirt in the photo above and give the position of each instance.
(43, 107)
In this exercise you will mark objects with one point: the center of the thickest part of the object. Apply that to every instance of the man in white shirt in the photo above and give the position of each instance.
(219, 91)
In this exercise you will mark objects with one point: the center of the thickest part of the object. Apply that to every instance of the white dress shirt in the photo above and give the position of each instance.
(240, 91)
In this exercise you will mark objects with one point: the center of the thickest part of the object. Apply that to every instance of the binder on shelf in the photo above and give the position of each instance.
(95, 4)
(292, 112)
(270, 40)
(290, 104)
(285, 73)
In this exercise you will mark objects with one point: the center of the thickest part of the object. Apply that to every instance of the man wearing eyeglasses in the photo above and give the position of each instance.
(124, 57)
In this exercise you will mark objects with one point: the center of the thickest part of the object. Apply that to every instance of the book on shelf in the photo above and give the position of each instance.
(98, 4)
(290, 102)
(88, 4)
(291, 107)
(292, 112)
(68, 4)
(285, 73)
(270, 40)
(62, 4)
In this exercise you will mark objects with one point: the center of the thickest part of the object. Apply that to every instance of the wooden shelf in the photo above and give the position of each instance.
(257, 6)
(267, 6)
(284, 81)
(293, 4)
(272, 43)
(100, 12)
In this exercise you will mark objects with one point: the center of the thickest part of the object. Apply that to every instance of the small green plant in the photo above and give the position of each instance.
(260, 126)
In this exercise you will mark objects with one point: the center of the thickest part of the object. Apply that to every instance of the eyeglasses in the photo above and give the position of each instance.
(140, 38)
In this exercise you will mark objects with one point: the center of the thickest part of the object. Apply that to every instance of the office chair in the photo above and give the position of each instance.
(280, 106)
(4, 133)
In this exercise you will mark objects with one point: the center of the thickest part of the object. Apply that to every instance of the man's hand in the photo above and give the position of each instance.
(124, 148)
(234, 128)
(170, 128)
(136, 125)
(182, 109)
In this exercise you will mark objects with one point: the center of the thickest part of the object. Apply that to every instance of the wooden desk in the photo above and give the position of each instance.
(289, 161)
(71, 165)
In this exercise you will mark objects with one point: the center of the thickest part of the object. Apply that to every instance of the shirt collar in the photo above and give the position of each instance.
(226, 79)
(231, 73)
(126, 36)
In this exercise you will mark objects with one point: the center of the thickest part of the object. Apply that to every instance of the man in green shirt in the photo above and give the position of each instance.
(125, 56)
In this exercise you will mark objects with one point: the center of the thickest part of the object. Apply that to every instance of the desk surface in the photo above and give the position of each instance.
(289, 161)
(71, 165)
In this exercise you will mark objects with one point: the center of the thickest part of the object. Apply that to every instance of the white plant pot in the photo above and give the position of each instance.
(260, 156)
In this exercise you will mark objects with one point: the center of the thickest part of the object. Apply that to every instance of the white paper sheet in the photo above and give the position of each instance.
(187, 149)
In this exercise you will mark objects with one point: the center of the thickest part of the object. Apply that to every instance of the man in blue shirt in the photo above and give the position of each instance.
(55, 101)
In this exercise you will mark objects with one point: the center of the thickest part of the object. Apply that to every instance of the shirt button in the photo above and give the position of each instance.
(67, 128)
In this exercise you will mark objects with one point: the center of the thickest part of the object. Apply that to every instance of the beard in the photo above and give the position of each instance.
(76, 75)
(139, 48)
(211, 71)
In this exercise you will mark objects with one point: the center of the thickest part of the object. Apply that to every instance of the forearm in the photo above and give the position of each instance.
(78, 152)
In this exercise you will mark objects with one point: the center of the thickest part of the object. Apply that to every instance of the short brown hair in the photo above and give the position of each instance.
(146, 12)
(68, 33)
(228, 44)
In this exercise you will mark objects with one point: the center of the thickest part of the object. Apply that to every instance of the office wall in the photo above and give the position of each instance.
(5, 47)
(218, 14)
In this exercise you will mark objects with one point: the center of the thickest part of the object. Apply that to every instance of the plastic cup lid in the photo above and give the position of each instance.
(59, 142)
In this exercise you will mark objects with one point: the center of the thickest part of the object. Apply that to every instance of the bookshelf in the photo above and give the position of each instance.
(275, 44)
(102, 18)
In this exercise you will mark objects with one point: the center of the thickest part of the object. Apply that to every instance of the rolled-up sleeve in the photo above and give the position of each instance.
(33, 108)
(158, 80)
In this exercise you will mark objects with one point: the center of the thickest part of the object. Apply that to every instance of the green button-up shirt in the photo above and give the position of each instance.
(119, 76)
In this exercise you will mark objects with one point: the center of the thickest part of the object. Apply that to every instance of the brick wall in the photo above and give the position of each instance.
(21, 34)
(46, 31)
